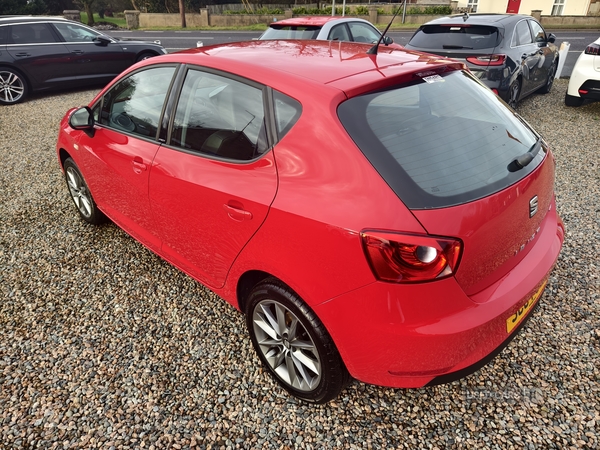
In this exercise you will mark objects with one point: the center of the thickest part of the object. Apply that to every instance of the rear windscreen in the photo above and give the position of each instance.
(441, 141)
(455, 37)
(291, 32)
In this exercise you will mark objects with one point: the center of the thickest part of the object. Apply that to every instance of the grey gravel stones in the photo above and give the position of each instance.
(104, 345)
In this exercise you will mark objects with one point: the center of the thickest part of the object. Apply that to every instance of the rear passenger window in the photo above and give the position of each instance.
(287, 113)
(219, 116)
(134, 105)
(522, 34)
(32, 33)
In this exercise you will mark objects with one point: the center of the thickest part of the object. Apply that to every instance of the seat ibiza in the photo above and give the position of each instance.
(377, 215)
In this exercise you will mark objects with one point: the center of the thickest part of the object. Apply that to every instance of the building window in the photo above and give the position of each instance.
(557, 8)
(472, 5)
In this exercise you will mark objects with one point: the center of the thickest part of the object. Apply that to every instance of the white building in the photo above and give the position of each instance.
(548, 7)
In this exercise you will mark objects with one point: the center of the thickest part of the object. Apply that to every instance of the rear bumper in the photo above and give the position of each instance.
(408, 336)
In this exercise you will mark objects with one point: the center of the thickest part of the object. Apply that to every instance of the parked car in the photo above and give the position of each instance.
(326, 28)
(510, 53)
(384, 217)
(585, 78)
(40, 53)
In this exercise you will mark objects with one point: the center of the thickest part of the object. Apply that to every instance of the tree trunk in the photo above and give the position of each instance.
(182, 12)
(90, 13)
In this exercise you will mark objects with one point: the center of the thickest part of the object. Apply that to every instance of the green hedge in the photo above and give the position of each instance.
(356, 11)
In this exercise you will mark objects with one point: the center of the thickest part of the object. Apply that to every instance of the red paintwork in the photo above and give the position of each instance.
(318, 21)
(309, 198)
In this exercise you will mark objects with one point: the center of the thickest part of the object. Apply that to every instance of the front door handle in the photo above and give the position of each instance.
(23, 54)
(236, 212)
(78, 52)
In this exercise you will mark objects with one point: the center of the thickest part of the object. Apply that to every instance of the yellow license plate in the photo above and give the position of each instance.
(517, 317)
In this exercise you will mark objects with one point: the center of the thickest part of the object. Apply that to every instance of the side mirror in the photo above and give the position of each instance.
(387, 40)
(551, 38)
(103, 41)
(82, 119)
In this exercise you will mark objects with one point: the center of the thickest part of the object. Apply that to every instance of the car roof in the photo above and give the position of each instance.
(479, 19)
(344, 65)
(22, 19)
(312, 20)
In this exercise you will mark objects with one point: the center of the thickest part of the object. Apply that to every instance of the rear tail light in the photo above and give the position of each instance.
(487, 60)
(592, 49)
(407, 258)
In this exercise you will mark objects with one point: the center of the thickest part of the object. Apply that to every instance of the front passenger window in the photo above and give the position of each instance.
(135, 104)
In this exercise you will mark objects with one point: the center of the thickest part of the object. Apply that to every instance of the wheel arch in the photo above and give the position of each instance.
(247, 282)
(11, 66)
(62, 156)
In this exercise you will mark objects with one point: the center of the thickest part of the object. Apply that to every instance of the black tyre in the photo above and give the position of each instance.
(144, 56)
(13, 86)
(81, 195)
(514, 91)
(546, 88)
(293, 344)
(571, 100)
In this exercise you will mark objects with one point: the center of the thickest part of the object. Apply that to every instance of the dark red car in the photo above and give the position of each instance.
(378, 216)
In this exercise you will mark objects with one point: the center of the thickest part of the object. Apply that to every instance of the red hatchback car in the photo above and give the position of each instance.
(378, 216)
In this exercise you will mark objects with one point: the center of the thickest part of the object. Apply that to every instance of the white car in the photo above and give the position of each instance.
(585, 79)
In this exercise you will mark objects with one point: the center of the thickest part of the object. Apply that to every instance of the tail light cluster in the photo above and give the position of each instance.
(407, 258)
(487, 60)
(592, 49)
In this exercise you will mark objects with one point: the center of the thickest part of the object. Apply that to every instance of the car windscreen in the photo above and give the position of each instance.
(440, 141)
(468, 37)
(291, 32)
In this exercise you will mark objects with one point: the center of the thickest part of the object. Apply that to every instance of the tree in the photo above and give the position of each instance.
(182, 13)
(87, 7)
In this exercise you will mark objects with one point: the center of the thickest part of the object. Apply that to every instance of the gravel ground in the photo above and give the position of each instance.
(104, 345)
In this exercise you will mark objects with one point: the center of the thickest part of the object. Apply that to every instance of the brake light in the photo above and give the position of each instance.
(487, 60)
(592, 49)
(406, 258)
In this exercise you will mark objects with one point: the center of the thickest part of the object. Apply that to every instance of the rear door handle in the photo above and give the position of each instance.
(138, 165)
(22, 55)
(237, 213)
(78, 52)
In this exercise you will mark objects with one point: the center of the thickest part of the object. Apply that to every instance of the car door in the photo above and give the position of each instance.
(91, 57)
(212, 185)
(529, 53)
(37, 52)
(121, 151)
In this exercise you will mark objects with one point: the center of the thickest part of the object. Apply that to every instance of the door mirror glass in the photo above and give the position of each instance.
(82, 119)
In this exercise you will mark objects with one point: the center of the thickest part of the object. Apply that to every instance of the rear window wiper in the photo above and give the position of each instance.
(455, 47)
(521, 161)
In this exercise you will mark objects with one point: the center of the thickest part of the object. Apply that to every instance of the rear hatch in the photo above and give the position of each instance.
(463, 163)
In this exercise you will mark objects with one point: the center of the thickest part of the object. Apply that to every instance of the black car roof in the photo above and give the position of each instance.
(480, 19)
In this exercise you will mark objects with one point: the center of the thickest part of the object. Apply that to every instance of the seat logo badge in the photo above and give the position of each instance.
(533, 206)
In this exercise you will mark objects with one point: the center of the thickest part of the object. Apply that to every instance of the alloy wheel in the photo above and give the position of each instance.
(286, 345)
(79, 192)
(12, 87)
